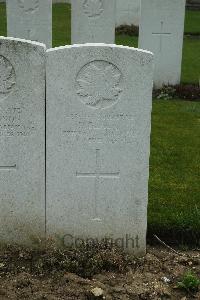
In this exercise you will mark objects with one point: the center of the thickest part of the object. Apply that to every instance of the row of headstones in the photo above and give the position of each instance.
(32, 19)
(127, 11)
(92, 179)
(161, 28)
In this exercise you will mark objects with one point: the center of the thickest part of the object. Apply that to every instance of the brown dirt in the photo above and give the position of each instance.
(141, 279)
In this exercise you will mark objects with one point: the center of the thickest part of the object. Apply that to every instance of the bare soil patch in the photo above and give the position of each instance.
(37, 275)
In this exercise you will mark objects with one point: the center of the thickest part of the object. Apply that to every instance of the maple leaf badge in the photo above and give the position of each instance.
(29, 6)
(93, 8)
(98, 84)
(7, 76)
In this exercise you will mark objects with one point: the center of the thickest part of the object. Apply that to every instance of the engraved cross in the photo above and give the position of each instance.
(5, 167)
(97, 175)
(127, 10)
(161, 34)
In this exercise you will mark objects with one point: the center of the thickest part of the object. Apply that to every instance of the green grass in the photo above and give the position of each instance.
(174, 186)
(61, 25)
(125, 40)
(191, 60)
(2, 19)
(192, 21)
(190, 282)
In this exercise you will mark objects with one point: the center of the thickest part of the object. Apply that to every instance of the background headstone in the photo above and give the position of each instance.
(93, 21)
(127, 12)
(30, 19)
(98, 140)
(62, 1)
(22, 140)
(161, 31)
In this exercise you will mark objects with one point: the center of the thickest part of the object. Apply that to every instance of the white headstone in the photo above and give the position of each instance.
(93, 21)
(22, 140)
(161, 31)
(98, 131)
(127, 12)
(30, 19)
(62, 1)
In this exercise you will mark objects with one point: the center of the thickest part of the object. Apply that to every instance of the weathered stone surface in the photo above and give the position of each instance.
(127, 12)
(30, 19)
(98, 130)
(62, 1)
(161, 31)
(22, 140)
(93, 21)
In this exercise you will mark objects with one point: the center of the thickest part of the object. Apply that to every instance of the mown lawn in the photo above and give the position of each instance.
(174, 186)
(192, 21)
(2, 19)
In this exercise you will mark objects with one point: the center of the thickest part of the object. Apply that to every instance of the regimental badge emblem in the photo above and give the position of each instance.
(7, 77)
(98, 84)
(29, 6)
(93, 8)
